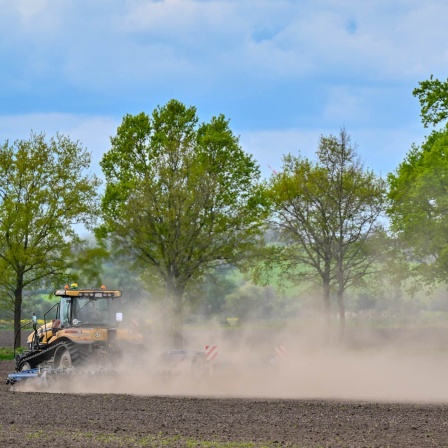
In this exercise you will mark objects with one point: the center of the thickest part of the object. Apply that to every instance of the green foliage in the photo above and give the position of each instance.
(208, 298)
(433, 97)
(324, 213)
(43, 193)
(181, 196)
(36, 303)
(86, 264)
(251, 302)
(418, 193)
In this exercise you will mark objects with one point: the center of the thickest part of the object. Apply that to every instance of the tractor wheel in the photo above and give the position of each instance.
(62, 358)
(25, 366)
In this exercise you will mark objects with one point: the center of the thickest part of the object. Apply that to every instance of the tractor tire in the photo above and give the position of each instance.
(62, 358)
(25, 366)
(68, 355)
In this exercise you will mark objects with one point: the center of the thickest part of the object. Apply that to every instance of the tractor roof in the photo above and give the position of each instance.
(90, 293)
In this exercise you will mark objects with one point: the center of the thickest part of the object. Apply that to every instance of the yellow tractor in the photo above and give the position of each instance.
(85, 328)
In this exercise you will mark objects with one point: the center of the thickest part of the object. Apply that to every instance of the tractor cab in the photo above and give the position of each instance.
(77, 308)
(82, 326)
(87, 307)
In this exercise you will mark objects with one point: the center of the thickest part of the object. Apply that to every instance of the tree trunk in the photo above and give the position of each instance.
(326, 304)
(340, 299)
(18, 298)
(341, 309)
(175, 318)
(326, 309)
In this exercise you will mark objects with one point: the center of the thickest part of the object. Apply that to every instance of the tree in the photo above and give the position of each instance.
(252, 302)
(418, 193)
(418, 190)
(325, 212)
(180, 196)
(302, 218)
(86, 263)
(43, 193)
(357, 199)
(433, 97)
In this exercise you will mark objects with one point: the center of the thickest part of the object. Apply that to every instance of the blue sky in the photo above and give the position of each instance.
(283, 71)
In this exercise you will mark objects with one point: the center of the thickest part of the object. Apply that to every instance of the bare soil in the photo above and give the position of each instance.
(385, 391)
(110, 420)
(7, 337)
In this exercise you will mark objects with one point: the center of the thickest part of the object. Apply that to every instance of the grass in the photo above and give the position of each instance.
(35, 435)
(8, 353)
(150, 440)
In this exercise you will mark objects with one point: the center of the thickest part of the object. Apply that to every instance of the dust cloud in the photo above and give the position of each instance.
(297, 363)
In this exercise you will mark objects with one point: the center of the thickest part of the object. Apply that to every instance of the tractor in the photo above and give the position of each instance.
(84, 329)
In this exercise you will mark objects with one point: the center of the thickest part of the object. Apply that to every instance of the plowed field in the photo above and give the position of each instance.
(387, 389)
(121, 420)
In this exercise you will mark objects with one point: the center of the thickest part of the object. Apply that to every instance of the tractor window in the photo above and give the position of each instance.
(64, 311)
(90, 311)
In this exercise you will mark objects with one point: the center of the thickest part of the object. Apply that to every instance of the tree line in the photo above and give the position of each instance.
(182, 199)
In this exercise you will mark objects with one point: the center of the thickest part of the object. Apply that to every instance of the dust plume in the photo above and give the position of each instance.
(380, 365)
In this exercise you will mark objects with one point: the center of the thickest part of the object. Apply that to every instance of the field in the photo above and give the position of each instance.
(393, 394)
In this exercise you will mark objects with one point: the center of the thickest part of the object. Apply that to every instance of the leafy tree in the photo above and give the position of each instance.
(357, 199)
(418, 193)
(210, 294)
(86, 263)
(252, 302)
(43, 193)
(181, 196)
(325, 212)
(302, 218)
(433, 97)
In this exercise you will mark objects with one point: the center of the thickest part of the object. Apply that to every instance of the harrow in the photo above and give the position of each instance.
(197, 364)
(43, 377)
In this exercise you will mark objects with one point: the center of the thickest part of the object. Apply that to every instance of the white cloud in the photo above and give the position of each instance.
(35, 20)
(381, 150)
(324, 62)
(347, 104)
(99, 45)
(92, 132)
(269, 147)
(385, 39)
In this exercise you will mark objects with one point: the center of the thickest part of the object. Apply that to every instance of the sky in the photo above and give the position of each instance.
(284, 72)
